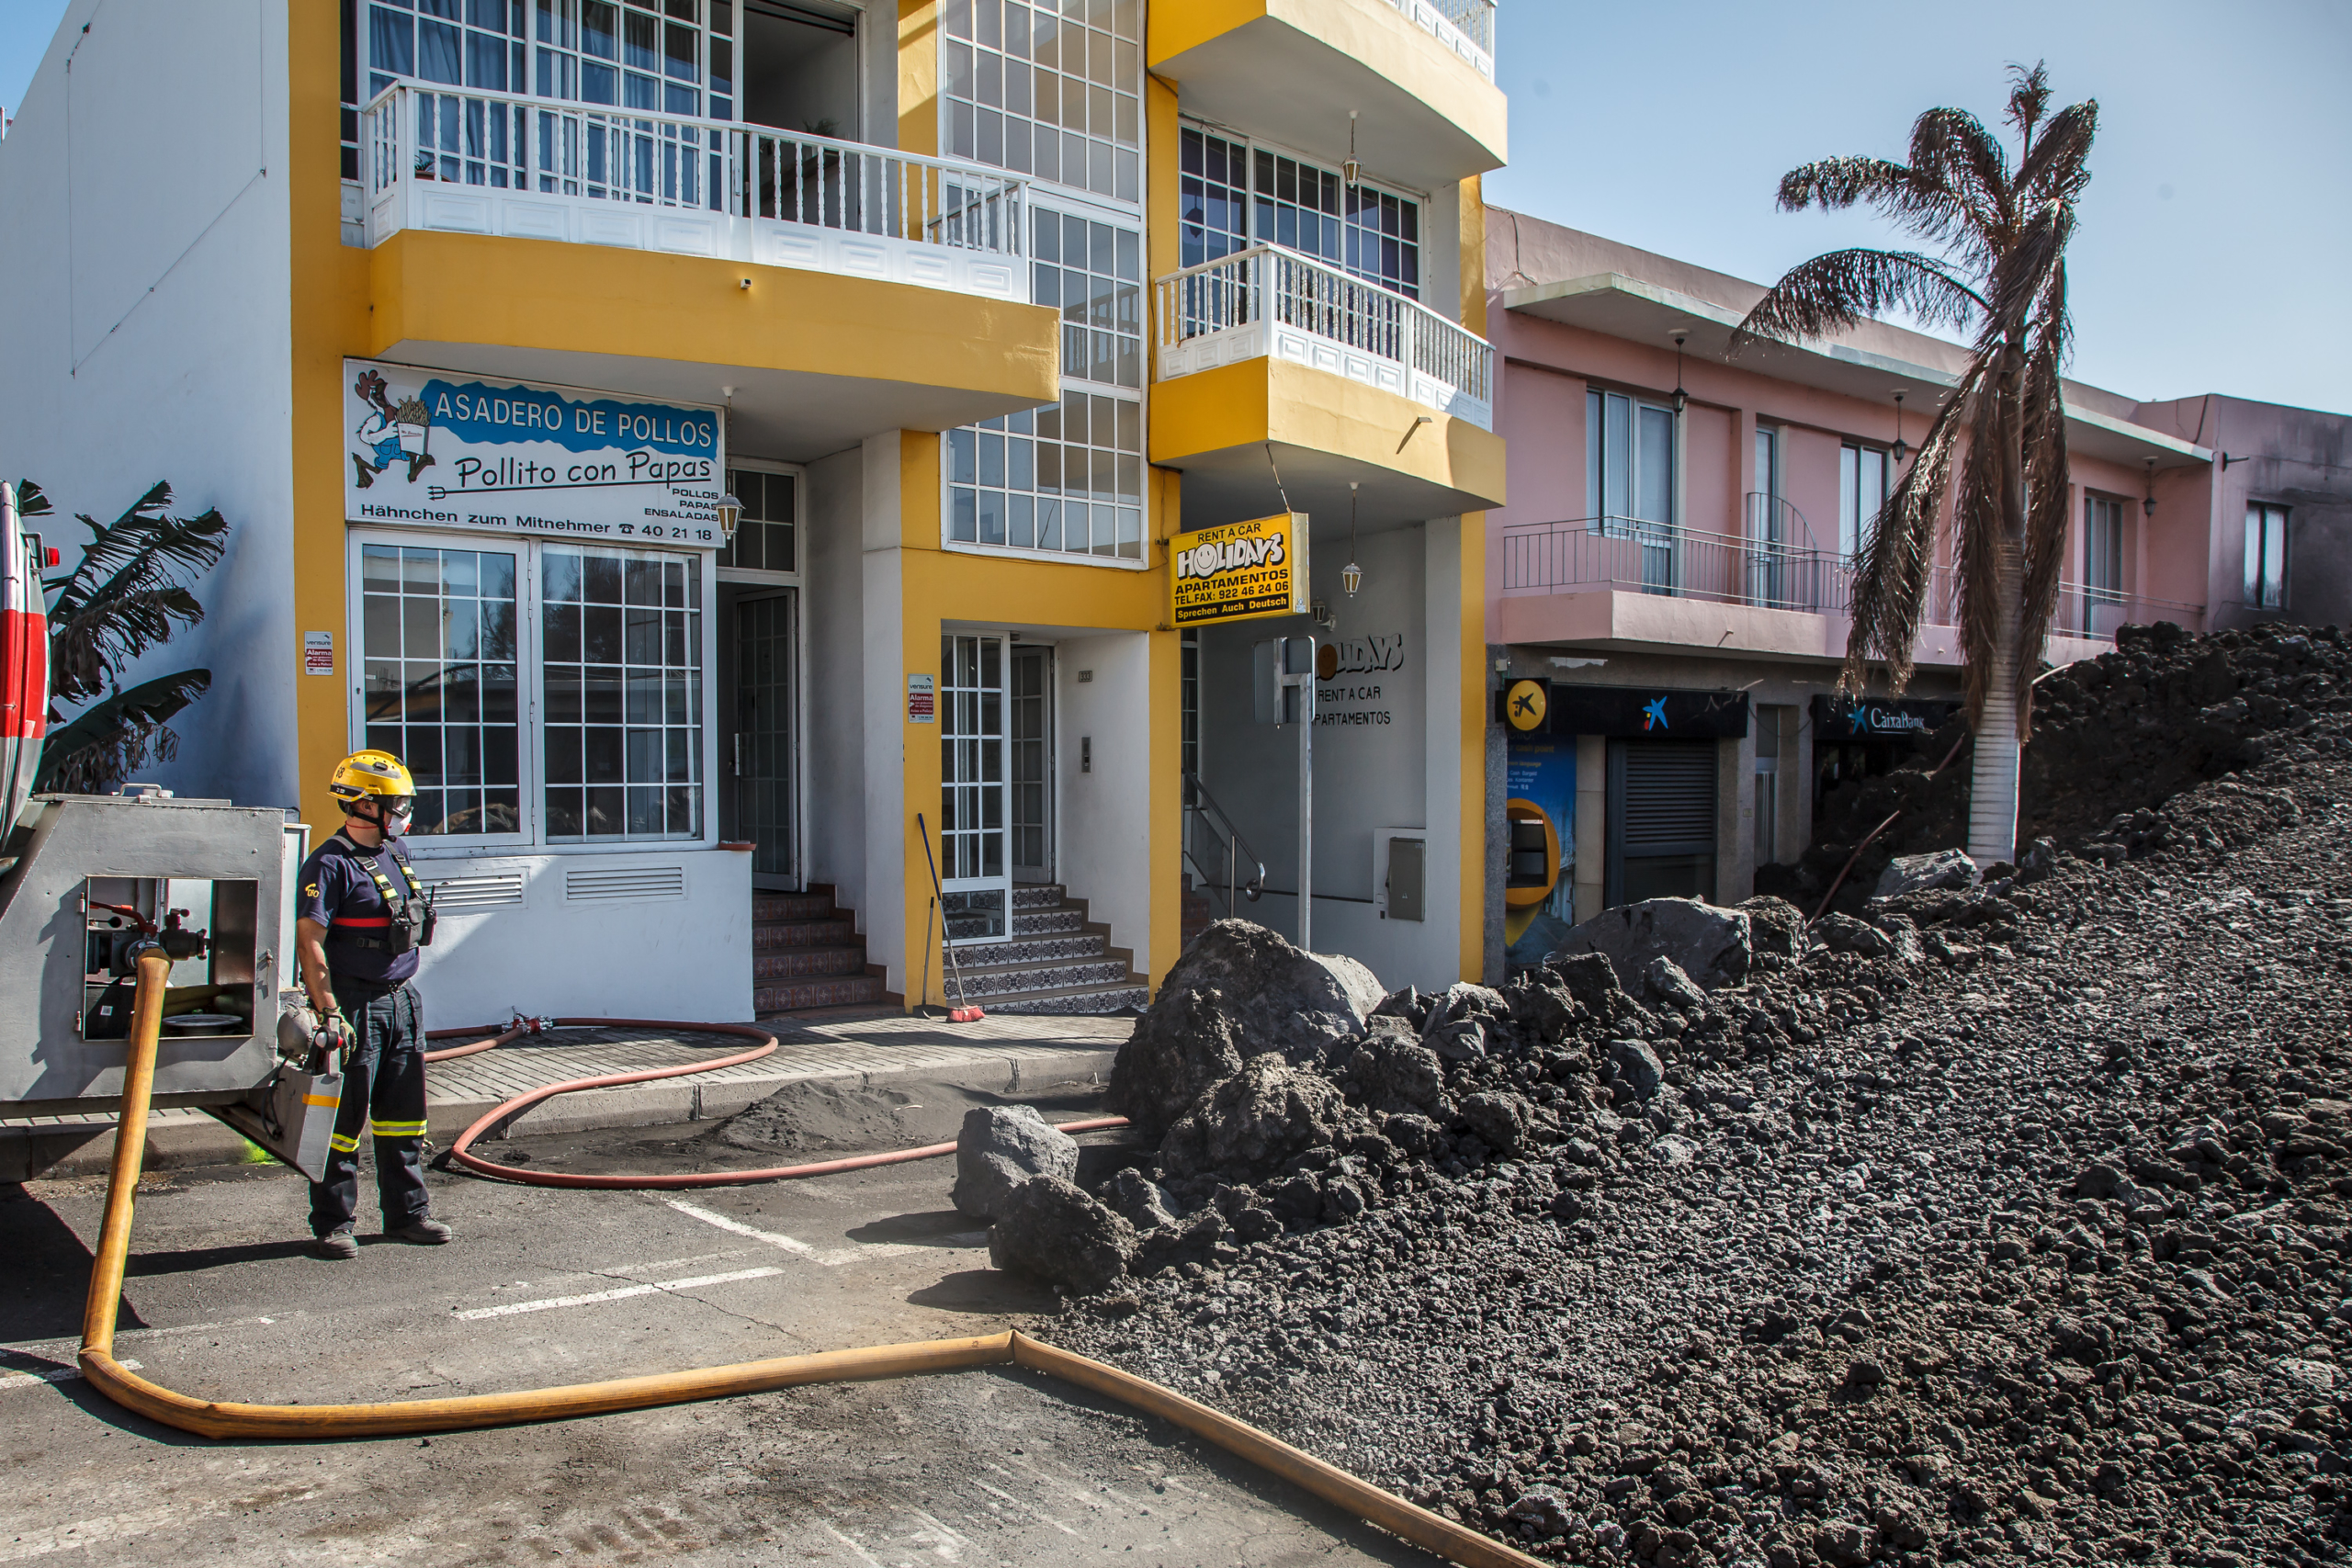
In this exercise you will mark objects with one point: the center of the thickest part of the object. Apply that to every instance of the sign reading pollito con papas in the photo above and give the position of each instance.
(427, 448)
(1239, 571)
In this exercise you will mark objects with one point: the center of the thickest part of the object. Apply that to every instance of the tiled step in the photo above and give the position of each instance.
(1013, 979)
(1055, 948)
(797, 963)
(1074, 1000)
(1048, 922)
(798, 996)
(1039, 896)
(768, 936)
(769, 907)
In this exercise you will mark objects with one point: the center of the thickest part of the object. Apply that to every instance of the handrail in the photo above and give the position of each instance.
(1682, 563)
(1466, 26)
(420, 133)
(1273, 283)
(1198, 803)
(1768, 515)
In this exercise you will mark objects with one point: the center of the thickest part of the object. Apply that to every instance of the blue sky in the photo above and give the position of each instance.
(2216, 233)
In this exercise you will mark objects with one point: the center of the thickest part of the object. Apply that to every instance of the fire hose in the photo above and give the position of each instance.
(220, 1418)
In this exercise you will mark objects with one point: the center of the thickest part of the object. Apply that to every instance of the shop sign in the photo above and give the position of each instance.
(1351, 675)
(1239, 571)
(921, 700)
(428, 449)
(1651, 713)
(1844, 720)
(1525, 703)
(318, 653)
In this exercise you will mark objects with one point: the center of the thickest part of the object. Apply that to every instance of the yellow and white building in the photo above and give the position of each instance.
(481, 320)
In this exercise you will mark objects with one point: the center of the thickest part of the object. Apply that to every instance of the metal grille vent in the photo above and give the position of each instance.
(635, 884)
(451, 894)
(1671, 797)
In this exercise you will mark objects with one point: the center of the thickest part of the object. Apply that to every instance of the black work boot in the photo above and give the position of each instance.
(423, 1230)
(338, 1244)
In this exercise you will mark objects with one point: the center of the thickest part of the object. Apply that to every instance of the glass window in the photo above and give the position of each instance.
(557, 48)
(764, 539)
(1862, 475)
(438, 656)
(1229, 195)
(622, 663)
(2103, 546)
(1066, 480)
(1046, 89)
(2266, 557)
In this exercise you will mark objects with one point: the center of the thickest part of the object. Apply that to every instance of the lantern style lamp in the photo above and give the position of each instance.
(1901, 450)
(730, 512)
(1351, 575)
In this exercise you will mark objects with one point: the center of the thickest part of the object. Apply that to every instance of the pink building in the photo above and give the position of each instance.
(1675, 559)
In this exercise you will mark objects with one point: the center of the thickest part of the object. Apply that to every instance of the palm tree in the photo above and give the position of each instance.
(127, 594)
(2002, 232)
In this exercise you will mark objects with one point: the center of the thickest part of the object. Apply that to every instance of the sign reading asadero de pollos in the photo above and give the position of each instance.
(428, 449)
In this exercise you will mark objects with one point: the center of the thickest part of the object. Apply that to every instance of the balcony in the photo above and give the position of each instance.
(1419, 74)
(478, 162)
(823, 290)
(1352, 383)
(1630, 582)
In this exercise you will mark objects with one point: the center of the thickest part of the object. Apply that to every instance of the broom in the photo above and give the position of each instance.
(963, 1012)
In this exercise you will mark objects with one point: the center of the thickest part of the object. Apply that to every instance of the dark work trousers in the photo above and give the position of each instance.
(383, 1081)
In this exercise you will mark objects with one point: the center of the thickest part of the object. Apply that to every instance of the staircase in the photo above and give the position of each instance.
(1056, 961)
(806, 953)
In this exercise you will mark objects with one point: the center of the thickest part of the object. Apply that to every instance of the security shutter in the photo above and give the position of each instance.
(1669, 799)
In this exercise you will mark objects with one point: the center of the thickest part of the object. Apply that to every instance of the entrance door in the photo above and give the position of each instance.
(974, 866)
(1033, 763)
(766, 760)
(1661, 820)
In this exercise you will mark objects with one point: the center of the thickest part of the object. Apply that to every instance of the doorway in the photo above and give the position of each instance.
(975, 870)
(1661, 821)
(764, 767)
(800, 66)
(1033, 762)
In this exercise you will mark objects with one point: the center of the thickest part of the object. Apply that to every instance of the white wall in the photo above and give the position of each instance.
(1403, 772)
(683, 956)
(1102, 851)
(882, 659)
(144, 334)
(832, 560)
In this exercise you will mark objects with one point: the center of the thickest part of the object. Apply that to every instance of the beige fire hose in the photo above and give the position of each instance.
(215, 1418)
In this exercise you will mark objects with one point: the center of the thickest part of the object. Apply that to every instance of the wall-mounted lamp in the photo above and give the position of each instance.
(729, 512)
(1351, 575)
(1901, 450)
(1681, 397)
(1352, 168)
(2148, 504)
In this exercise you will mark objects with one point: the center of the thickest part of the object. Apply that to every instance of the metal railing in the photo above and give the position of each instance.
(1268, 284)
(2096, 612)
(414, 134)
(1217, 851)
(1657, 558)
(1466, 26)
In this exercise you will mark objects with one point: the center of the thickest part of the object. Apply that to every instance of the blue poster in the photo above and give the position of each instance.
(1541, 769)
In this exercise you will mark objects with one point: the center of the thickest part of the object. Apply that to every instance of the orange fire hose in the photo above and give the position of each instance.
(462, 1150)
(220, 1418)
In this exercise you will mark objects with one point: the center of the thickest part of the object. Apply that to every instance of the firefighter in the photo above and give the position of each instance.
(361, 919)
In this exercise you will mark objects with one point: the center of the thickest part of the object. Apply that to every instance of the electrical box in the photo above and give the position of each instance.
(1400, 872)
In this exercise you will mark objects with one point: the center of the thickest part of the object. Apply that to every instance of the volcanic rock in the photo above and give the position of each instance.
(1247, 1127)
(1050, 1230)
(999, 1149)
(1709, 943)
(1928, 873)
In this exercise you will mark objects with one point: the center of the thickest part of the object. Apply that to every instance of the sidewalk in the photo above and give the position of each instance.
(992, 1053)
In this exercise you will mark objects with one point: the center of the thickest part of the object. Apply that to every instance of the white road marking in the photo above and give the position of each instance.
(858, 1252)
(1011, 1501)
(31, 1347)
(511, 1308)
(12, 1378)
(124, 1527)
(864, 1556)
(618, 1269)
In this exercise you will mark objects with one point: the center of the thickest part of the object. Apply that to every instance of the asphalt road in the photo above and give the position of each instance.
(544, 1287)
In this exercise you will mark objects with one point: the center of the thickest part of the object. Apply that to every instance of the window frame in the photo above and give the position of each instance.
(2261, 518)
(1133, 89)
(1251, 147)
(530, 690)
(1886, 483)
(763, 576)
(2119, 513)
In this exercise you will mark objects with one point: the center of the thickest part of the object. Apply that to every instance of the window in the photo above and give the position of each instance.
(1628, 460)
(1230, 194)
(2266, 557)
(765, 535)
(2103, 547)
(1861, 493)
(457, 643)
(439, 653)
(1093, 271)
(1046, 89)
(657, 55)
(1066, 478)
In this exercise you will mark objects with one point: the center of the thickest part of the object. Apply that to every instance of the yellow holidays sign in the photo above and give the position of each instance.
(1239, 571)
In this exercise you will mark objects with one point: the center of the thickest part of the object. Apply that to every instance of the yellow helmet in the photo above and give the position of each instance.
(364, 774)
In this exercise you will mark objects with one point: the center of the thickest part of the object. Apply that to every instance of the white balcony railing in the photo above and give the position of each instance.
(1268, 302)
(536, 168)
(1466, 26)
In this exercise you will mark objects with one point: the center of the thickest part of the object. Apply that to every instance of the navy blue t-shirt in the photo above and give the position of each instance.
(339, 891)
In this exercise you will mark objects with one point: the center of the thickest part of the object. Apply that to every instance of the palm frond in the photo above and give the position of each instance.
(2047, 513)
(2029, 97)
(2023, 272)
(1952, 148)
(1981, 532)
(105, 743)
(1833, 292)
(2059, 165)
(143, 549)
(31, 500)
(87, 648)
(1895, 570)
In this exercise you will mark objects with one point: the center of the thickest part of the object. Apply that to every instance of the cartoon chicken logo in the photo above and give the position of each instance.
(392, 433)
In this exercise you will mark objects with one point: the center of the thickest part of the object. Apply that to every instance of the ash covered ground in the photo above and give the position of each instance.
(2015, 1231)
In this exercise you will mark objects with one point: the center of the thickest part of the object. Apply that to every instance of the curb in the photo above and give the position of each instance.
(187, 1139)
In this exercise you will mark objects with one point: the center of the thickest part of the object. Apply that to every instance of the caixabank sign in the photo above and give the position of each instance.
(1657, 712)
(427, 448)
(1844, 719)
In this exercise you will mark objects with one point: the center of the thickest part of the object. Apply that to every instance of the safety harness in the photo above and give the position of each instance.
(411, 917)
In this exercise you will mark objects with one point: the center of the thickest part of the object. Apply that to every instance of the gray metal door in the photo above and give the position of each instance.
(1661, 820)
(766, 760)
